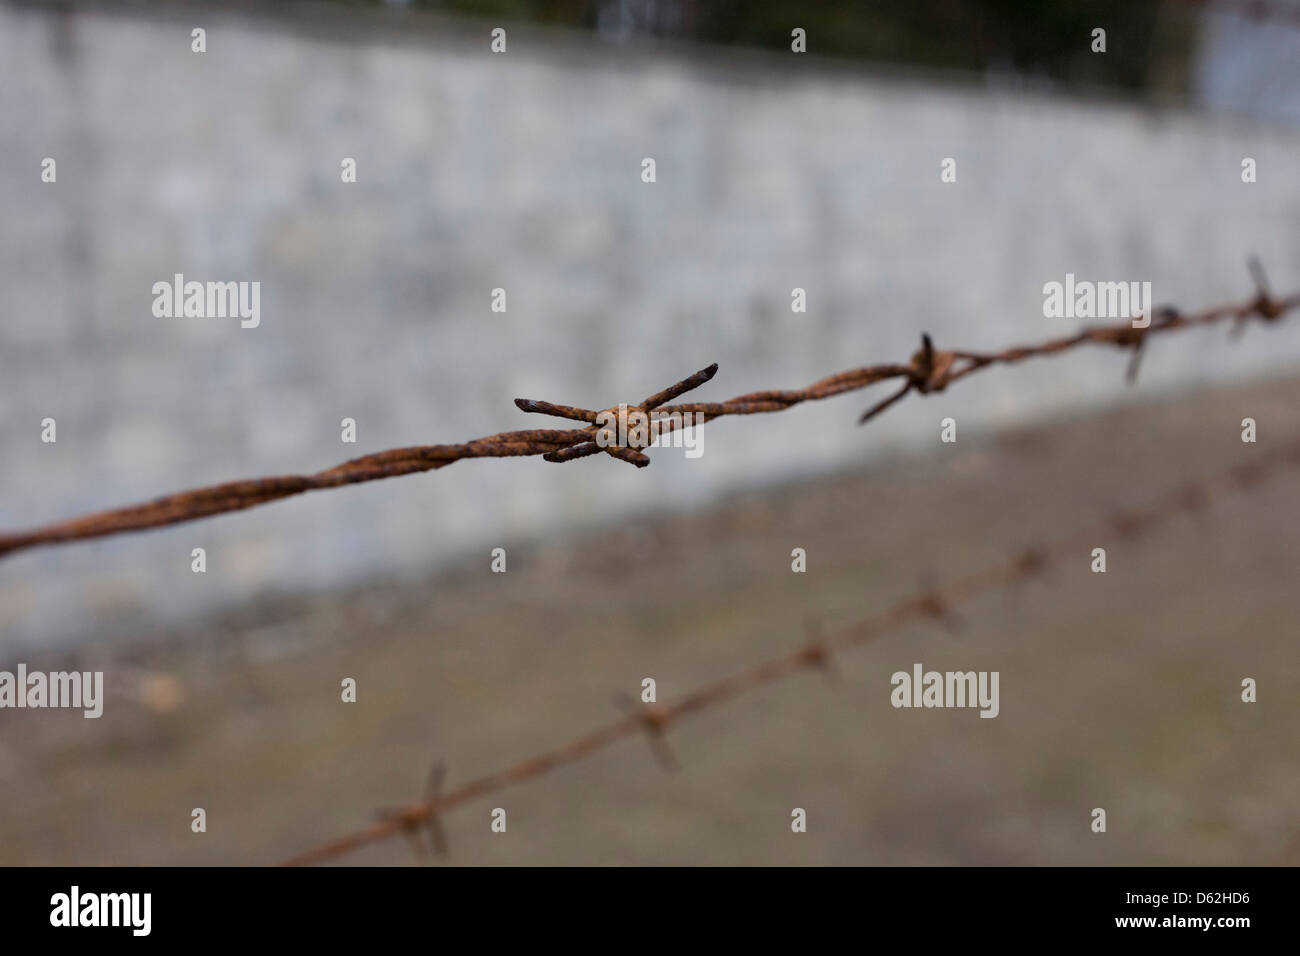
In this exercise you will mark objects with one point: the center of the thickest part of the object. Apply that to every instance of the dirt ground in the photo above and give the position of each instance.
(1118, 690)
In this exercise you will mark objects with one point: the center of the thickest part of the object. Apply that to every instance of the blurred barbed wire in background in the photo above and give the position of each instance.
(816, 653)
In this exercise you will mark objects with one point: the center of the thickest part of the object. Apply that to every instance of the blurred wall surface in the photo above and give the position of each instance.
(522, 171)
(1250, 65)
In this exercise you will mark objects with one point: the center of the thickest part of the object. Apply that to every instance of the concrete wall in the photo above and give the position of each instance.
(522, 171)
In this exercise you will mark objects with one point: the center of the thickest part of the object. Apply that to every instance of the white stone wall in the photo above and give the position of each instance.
(522, 171)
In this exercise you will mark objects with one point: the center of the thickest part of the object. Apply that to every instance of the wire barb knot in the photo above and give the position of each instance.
(416, 819)
(816, 651)
(1264, 306)
(931, 370)
(1031, 561)
(653, 719)
(620, 431)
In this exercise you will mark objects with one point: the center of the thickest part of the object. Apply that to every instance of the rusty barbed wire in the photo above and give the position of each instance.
(815, 653)
(929, 370)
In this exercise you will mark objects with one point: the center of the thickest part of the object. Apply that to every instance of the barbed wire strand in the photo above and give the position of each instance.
(930, 370)
(817, 651)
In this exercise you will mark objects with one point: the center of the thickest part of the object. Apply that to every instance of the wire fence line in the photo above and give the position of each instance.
(423, 817)
(929, 370)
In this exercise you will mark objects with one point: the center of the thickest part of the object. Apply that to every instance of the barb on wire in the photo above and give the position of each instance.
(814, 653)
(412, 826)
(653, 720)
(930, 370)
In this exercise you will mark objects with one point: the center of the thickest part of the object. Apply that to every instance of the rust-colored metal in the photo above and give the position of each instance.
(929, 370)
